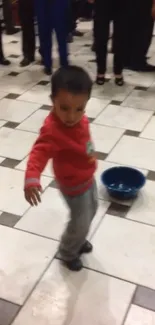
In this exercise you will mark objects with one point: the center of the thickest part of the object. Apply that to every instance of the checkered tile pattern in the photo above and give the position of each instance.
(117, 284)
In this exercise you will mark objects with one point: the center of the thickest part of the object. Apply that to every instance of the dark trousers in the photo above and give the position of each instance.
(105, 11)
(26, 14)
(138, 31)
(8, 18)
(52, 15)
(1, 48)
(76, 7)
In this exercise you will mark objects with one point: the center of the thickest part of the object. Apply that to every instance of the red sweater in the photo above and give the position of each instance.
(71, 149)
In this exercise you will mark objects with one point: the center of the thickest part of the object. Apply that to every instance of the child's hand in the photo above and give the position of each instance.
(32, 195)
(153, 11)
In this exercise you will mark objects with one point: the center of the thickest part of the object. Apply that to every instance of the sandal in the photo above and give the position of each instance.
(119, 81)
(100, 81)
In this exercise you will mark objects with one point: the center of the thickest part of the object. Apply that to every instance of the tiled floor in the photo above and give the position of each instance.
(117, 284)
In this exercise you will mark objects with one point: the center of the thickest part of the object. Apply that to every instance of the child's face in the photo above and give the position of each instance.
(69, 107)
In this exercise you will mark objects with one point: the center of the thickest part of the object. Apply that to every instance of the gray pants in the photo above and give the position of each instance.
(82, 211)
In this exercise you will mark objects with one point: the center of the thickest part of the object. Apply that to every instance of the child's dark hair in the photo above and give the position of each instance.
(72, 79)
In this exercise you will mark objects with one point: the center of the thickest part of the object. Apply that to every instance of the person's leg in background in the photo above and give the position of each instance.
(43, 11)
(26, 15)
(3, 61)
(118, 19)
(59, 21)
(8, 17)
(76, 6)
(102, 13)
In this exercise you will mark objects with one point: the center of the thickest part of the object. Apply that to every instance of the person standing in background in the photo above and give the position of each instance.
(106, 11)
(138, 30)
(8, 18)
(3, 61)
(26, 15)
(52, 15)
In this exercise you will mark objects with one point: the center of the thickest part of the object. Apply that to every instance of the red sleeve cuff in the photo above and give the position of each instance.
(32, 182)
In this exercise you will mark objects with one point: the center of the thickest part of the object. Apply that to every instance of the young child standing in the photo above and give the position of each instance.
(65, 138)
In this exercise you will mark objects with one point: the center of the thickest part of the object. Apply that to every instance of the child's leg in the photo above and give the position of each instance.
(83, 209)
(43, 13)
(60, 12)
(118, 37)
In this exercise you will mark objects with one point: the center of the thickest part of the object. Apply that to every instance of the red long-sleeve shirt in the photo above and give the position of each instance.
(72, 152)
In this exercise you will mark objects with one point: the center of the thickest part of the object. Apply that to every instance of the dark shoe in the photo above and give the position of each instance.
(70, 38)
(25, 62)
(77, 33)
(86, 248)
(147, 68)
(74, 265)
(47, 71)
(5, 62)
(119, 81)
(100, 81)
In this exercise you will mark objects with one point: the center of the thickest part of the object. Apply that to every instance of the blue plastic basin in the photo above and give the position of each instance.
(123, 182)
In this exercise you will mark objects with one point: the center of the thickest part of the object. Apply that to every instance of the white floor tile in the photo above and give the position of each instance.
(144, 206)
(11, 191)
(72, 299)
(133, 151)
(50, 217)
(124, 249)
(15, 144)
(141, 99)
(112, 92)
(95, 106)
(38, 94)
(124, 117)
(24, 257)
(14, 111)
(149, 131)
(105, 137)
(34, 122)
(140, 316)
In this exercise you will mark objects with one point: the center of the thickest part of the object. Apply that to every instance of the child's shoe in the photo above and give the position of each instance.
(74, 265)
(86, 248)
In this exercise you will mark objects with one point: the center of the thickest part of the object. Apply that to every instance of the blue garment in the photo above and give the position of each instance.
(52, 15)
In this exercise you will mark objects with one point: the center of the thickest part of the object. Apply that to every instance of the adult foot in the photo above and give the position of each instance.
(47, 71)
(86, 248)
(26, 61)
(74, 265)
(100, 80)
(119, 81)
(4, 61)
(77, 33)
(12, 31)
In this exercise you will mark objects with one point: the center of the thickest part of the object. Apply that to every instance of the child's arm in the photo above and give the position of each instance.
(38, 158)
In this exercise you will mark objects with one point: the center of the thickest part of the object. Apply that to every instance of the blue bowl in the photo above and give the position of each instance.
(123, 182)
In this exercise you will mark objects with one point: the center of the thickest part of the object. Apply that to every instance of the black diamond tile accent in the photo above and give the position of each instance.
(118, 210)
(10, 163)
(92, 61)
(145, 298)
(101, 155)
(87, 45)
(43, 83)
(46, 107)
(8, 219)
(91, 120)
(132, 133)
(141, 88)
(116, 102)
(14, 56)
(11, 125)
(151, 175)
(54, 184)
(12, 96)
(13, 74)
(14, 42)
(8, 312)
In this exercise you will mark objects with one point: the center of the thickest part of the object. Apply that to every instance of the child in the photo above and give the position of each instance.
(65, 138)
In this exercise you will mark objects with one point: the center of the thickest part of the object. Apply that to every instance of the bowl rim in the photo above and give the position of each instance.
(123, 190)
